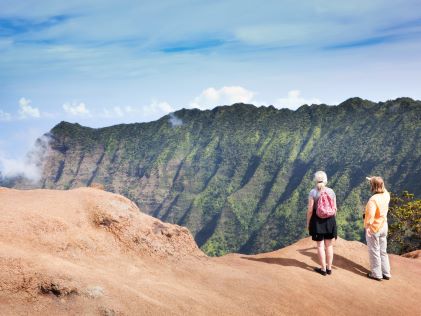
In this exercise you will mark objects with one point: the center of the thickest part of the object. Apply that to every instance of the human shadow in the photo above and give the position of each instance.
(288, 262)
(338, 261)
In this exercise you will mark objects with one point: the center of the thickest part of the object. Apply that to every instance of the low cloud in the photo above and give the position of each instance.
(157, 108)
(212, 97)
(175, 121)
(76, 109)
(294, 100)
(29, 167)
(12, 168)
(26, 110)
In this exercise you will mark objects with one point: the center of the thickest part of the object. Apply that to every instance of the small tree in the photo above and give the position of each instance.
(404, 223)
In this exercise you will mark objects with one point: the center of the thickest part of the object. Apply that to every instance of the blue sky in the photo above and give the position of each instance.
(106, 62)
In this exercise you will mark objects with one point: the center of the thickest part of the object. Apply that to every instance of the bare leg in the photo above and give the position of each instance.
(322, 254)
(329, 253)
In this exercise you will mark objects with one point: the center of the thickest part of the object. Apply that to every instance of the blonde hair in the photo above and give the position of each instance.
(320, 177)
(377, 185)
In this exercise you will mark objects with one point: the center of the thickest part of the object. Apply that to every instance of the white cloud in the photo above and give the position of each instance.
(212, 97)
(157, 108)
(294, 100)
(26, 110)
(175, 121)
(76, 109)
(5, 116)
(30, 166)
(228, 95)
(18, 167)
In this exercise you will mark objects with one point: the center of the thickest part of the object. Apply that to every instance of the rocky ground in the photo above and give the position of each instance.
(89, 252)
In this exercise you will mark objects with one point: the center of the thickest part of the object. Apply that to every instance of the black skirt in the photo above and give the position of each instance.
(322, 226)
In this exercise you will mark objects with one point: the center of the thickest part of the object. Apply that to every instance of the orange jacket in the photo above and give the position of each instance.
(376, 211)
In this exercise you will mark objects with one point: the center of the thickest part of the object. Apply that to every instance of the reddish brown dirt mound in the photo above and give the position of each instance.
(89, 252)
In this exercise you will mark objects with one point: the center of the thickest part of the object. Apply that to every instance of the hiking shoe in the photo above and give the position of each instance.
(328, 271)
(373, 278)
(322, 272)
(385, 277)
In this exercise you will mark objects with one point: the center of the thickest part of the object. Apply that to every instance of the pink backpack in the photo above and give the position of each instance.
(325, 206)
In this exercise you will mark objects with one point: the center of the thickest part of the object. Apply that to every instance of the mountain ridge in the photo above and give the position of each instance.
(238, 176)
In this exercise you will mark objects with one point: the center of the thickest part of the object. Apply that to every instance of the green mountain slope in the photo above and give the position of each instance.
(238, 176)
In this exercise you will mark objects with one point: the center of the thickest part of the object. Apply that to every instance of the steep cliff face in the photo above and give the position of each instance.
(238, 176)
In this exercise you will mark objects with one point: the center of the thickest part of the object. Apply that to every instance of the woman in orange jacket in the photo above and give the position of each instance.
(375, 224)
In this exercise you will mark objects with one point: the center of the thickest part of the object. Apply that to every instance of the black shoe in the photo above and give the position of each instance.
(328, 271)
(386, 277)
(322, 272)
(373, 278)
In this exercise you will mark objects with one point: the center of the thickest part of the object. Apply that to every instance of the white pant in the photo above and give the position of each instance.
(377, 246)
